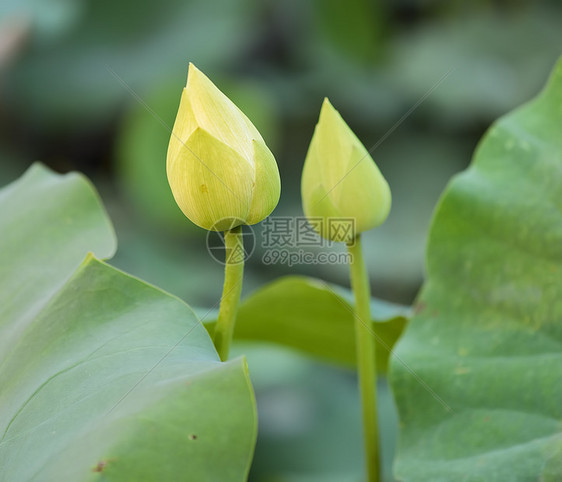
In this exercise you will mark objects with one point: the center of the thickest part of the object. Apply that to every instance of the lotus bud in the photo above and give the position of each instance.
(220, 171)
(340, 181)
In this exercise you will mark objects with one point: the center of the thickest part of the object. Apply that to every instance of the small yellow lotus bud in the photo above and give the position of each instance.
(220, 171)
(341, 182)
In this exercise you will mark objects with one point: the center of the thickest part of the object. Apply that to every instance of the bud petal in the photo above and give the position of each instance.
(340, 178)
(267, 184)
(219, 169)
(204, 197)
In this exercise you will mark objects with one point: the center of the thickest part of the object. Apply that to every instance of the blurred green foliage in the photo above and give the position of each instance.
(309, 426)
(95, 85)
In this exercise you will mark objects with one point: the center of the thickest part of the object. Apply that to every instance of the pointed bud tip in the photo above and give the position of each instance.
(192, 71)
(329, 112)
(326, 106)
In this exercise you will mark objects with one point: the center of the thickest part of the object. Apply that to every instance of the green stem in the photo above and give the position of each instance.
(233, 275)
(366, 368)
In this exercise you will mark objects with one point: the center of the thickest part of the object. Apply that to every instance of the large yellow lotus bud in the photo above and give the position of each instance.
(220, 170)
(341, 182)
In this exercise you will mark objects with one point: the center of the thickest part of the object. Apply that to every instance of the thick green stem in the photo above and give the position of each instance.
(233, 275)
(366, 368)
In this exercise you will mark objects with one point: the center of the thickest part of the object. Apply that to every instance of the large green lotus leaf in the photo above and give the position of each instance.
(48, 224)
(486, 344)
(102, 376)
(315, 318)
